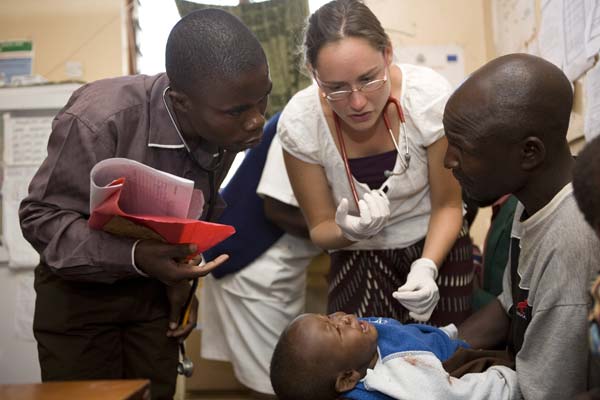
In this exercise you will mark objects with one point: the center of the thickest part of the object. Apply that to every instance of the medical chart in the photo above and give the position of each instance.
(550, 36)
(25, 140)
(576, 62)
(592, 28)
(592, 103)
(132, 199)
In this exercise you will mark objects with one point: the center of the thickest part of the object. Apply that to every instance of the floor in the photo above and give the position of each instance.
(217, 396)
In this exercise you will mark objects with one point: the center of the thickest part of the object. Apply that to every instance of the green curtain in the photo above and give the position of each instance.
(278, 24)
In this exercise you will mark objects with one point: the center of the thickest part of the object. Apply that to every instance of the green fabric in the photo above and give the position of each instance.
(495, 255)
(278, 24)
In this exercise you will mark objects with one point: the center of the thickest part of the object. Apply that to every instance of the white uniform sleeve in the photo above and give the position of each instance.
(274, 181)
(300, 125)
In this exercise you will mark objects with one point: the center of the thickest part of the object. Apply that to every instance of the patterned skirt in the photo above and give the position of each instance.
(361, 282)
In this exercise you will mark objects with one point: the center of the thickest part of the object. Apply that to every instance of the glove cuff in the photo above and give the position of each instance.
(427, 264)
(350, 236)
(451, 330)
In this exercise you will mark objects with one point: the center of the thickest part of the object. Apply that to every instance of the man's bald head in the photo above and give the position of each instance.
(506, 128)
(513, 96)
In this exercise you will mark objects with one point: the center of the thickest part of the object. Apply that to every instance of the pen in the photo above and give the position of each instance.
(187, 308)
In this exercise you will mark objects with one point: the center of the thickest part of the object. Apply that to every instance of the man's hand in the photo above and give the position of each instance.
(166, 262)
(177, 295)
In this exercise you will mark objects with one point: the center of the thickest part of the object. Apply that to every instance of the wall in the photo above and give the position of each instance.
(575, 133)
(86, 31)
(440, 22)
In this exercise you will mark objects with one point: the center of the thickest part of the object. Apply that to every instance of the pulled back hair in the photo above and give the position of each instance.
(339, 19)
(210, 45)
(586, 182)
(294, 376)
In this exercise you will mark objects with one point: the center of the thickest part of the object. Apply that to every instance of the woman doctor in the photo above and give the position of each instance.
(364, 150)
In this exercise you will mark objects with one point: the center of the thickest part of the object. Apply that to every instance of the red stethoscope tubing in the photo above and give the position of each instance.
(340, 137)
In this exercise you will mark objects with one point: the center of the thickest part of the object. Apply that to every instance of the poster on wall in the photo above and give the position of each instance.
(592, 28)
(591, 124)
(576, 62)
(551, 37)
(447, 60)
(24, 149)
(16, 60)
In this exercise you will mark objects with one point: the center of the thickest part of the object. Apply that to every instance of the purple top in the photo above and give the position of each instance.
(370, 169)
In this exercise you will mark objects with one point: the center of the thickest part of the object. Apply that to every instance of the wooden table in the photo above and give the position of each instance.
(88, 390)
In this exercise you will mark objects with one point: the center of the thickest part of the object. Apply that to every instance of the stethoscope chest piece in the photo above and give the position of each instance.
(185, 367)
(404, 156)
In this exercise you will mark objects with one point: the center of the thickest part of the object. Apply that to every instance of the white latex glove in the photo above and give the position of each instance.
(420, 293)
(374, 210)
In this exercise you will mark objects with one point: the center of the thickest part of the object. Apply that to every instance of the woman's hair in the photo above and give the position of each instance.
(339, 19)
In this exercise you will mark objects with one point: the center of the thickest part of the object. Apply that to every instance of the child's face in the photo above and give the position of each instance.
(339, 340)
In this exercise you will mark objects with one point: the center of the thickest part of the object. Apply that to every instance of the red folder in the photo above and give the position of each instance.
(109, 217)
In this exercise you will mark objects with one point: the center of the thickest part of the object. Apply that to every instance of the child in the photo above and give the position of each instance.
(341, 356)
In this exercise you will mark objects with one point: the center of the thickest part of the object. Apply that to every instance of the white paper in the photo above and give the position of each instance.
(26, 139)
(514, 24)
(16, 181)
(447, 60)
(24, 308)
(576, 62)
(591, 124)
(551, 38)
(592, 28)
(147, 191)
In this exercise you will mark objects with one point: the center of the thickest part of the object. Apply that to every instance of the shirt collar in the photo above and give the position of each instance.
(163, 133)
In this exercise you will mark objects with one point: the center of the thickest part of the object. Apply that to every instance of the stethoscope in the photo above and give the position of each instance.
(186, 367)
(218, 163)
(404, 159)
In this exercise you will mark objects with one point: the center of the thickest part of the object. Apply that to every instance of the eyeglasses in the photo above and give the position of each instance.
(368, 87)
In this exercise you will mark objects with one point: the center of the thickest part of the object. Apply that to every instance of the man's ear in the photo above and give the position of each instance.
(533, 152)
(181, 102)
(346, 380)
